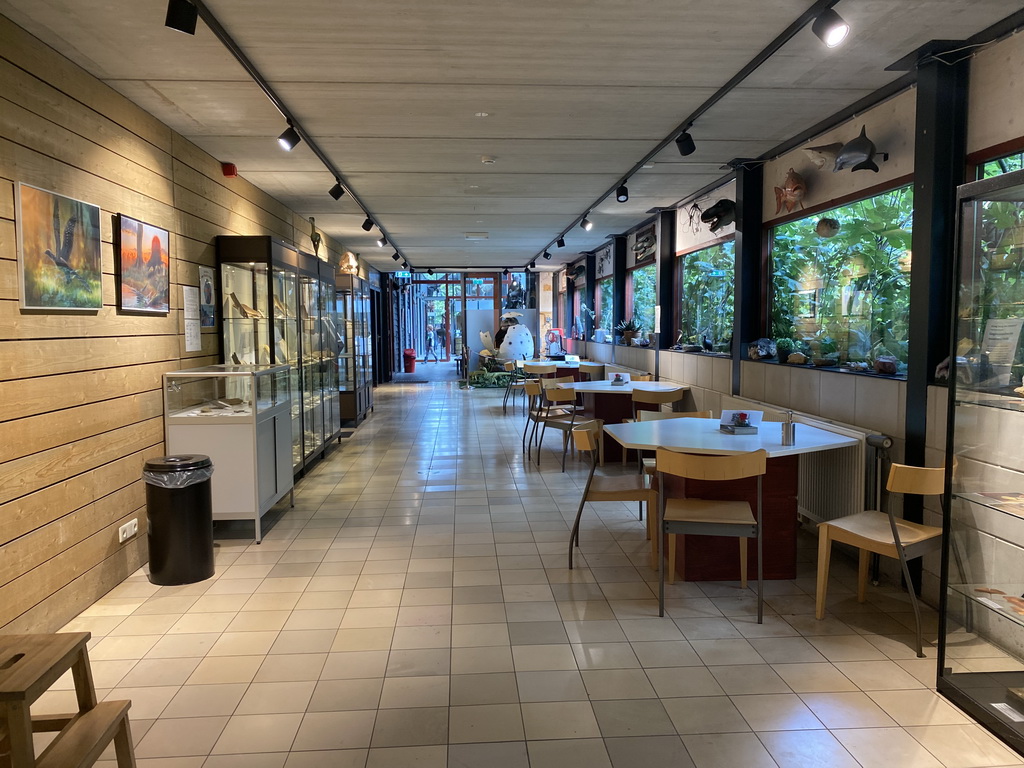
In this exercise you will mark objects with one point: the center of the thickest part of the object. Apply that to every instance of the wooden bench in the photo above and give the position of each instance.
(29, 665)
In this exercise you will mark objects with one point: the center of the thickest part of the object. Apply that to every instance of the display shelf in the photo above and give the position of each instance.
(355, 364)
(275, 309)
(982, 570)
(240, 417)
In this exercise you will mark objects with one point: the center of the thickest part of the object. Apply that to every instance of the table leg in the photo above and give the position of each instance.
(19, 734)
(84, 688)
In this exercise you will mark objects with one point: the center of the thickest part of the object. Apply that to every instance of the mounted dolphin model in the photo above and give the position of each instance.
(859, 153)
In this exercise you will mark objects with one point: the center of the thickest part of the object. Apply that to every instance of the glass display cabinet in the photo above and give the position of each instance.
(355, 360)
(981, 633)
(272, 313)
(329, 351)
(239, 416)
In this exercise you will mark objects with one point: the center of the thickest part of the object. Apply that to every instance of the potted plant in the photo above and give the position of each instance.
(629, 329)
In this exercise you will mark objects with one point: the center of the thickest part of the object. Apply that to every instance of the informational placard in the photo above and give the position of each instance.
(207, 298)
(657, 318)
(190, 305)
(1000, 343)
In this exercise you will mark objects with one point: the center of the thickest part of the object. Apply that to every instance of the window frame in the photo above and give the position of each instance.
(678, 277)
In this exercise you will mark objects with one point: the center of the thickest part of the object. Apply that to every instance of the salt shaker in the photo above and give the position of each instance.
(788, 429)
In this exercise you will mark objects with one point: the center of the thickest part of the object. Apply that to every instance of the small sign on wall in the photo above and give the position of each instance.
(190, 303)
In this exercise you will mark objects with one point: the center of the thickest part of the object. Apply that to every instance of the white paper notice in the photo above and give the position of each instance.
(190, 301)
(1002, 337)
(190, 304)
(193, 336)
(657, 318)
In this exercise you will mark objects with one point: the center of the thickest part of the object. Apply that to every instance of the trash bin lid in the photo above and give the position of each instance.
(178, 463)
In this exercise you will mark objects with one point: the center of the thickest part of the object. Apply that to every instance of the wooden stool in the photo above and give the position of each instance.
(29, 665)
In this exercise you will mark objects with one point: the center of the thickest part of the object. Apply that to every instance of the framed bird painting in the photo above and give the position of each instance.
(143, 266)
(59, 262)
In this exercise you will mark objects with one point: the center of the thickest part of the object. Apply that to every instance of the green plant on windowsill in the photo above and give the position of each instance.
(629, 329)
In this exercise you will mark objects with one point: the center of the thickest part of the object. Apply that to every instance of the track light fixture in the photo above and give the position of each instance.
(684, 143)
(290, 138)
(430, 271)
(395, 256)
(405, 264)
(182, 16)
(533, 264)
(587, 224)
(560, 242)
(337, 190)
(382, 241)
(505, 271)
(830, 28)
(622, 193)
(546, 255)
(367, 224)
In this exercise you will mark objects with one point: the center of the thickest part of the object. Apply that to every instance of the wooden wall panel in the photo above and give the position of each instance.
(81, 392)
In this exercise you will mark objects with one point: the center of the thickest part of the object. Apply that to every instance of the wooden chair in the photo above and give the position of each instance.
(514, 386)
(557, 400)
(709, 517)
(598, 488)
(539, 370)
(649, 397)
(883, 534)
(536, 409)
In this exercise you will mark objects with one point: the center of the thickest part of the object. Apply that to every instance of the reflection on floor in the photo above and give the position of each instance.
(446, 370)
(414, 609)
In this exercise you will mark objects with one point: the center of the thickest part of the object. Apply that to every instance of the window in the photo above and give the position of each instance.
(642, 295)
(604, 304)
(1001, 165)
(841, 281)
(706, 281)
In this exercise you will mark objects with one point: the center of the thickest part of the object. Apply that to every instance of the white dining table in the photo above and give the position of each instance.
(704, 436)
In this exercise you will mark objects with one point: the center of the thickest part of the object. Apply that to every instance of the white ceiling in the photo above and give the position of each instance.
(576, 91)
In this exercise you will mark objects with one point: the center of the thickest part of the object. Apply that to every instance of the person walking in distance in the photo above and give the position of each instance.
(431, 341)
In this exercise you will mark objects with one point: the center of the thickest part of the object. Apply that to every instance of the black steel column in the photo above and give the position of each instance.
(666, 278)
(939, 158)
(588, 298)
(747, 321)
(619, 310)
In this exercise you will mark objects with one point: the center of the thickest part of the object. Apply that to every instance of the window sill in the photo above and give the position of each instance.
(832, 369)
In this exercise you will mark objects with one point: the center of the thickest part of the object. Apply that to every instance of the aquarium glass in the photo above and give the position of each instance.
(706, 296)
(642, 295)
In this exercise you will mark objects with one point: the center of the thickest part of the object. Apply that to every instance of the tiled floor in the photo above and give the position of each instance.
(415, 610)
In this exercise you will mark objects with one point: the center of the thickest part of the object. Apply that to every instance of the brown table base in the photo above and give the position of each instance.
(612, 409)
(716, 558)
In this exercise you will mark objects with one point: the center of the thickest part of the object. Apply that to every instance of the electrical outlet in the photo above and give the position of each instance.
(127, 530)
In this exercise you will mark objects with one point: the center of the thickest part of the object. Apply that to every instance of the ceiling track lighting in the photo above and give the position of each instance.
(505, 271)
(546, 255)
(367, 224)
(290, 138)
(395, 256)
(182, 16)
(533, 264)
(405, 264)
(337, 190)
(382, 241)
(830, 28)
(560, 242)
(685, 144)
(622, 193)
(430, 271)
(586, 223)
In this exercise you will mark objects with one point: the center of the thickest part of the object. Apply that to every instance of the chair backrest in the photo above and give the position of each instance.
(510, 366)
(585, 439)
(533, 388)
(702, 467)
(622, 376)
(557, 395)
(659, 415)
(657, 397)
(539, 369)
(642, 377)
(926, 481)
(554, 381)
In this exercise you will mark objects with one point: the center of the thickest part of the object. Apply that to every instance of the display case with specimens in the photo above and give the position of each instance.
(981, 633)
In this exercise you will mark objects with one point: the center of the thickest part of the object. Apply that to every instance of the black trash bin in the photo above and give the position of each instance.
(180, 509)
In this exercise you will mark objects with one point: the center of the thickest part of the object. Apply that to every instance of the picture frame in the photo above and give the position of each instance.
(143, 261)
(60, 266)
(207, 298)
(645, 244)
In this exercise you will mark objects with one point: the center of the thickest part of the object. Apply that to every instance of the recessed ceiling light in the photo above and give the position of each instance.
(647, 165)
(483, 114)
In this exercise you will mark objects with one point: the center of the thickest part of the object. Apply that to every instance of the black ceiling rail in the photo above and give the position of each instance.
(239, 55)
(766, 53)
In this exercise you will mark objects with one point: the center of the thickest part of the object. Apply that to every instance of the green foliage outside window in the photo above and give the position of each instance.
(1002, 165)
(707, 296)
(644, 295)
(604, 304)
(845, 297)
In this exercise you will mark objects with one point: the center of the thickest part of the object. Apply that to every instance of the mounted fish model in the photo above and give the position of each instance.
(791, 193)
(719, 215)
(860, 154)
(824, 154)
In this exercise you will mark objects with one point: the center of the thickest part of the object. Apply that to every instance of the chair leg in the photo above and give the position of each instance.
(824, 553)
(913, 599)
(760, 567)
(565, 448)
(672, 558)
(863, 561)
(660, 528)
(743, 561)
(124, 752)
(574, 536)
